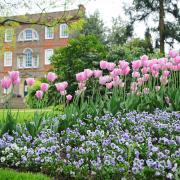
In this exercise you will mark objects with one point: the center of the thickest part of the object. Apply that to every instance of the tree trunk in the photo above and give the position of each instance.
(161, 25)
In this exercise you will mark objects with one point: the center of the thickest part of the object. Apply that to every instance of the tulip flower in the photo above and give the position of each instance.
(39, 94)
(109, 85)
(69, 97)
(123, 64)
(61, 86)
(103, 64)
(135, 74)
(97, 73)
(81, 76)
(173, 53)
(88, 73)
(6, 83)
(110, 66)
(51, 76)
(30, 81)
(14, 76)
(136, 65)
(44, 87)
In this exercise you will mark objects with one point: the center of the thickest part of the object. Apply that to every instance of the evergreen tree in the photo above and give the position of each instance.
(159, 11)
(119, 32)
(94, 25)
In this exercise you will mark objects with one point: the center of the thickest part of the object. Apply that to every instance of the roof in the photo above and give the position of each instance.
(49, 17)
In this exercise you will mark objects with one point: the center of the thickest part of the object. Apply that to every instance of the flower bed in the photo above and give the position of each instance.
(139, 145)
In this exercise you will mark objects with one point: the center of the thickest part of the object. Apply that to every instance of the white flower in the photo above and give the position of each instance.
(3, 159)
(169, 176)
(7, 149)
(14, 146)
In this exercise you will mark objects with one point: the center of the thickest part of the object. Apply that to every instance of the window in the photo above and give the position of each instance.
(28, 58)
(48, 54)
(49, 32)
(63, 31)
(8, 58)
(9, 35)
(28, 35)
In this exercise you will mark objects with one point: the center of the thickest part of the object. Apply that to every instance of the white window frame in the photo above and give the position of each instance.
(61, 30)
(5, 58)
(47, 61)
(21, 60)
(46, 33)
(10, 30)
(22, 35)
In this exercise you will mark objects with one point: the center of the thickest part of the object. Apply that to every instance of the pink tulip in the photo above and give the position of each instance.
(173, 53)
(136, 65)
(39, 94)
(104, 79)
(169, 65)
(81, 85)
(116, 72)
(103, 64)
(145, 77)
(69, 97)
(109, 85)
(157, 88)
(144, 58)
(163, 80)
(123, 64)
(44, 87)
(140, 81)
(81, 76)
(65, 84)
(110, 66)
(155, 73)
(51, 76)
(134, 86)
(155, 67)
(135, 74)
(60, 86)
(14, 76)
(177, 59)
(178, 67)
(30, 81)
(126, 71)
(145, 70)
(146, 90)
(166, 73)
(6, 83)
(97, 73)
(88, 73)
(63, 93)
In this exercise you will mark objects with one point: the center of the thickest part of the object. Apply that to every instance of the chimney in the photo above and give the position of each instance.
(82, 8)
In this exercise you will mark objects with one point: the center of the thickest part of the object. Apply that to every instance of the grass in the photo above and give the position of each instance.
(8, 174)
(22, 114)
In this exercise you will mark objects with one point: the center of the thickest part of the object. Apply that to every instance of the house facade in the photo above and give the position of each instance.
(28, 48)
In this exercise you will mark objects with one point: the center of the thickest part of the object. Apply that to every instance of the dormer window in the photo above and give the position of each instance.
(28, 35)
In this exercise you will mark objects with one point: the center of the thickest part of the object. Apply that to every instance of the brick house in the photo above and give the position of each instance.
(34, 45)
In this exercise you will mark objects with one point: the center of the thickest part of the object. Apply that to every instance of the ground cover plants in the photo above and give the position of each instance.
(123, 121)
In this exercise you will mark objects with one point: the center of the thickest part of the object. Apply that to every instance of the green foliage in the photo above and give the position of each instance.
(31, 99)
(119, 32)
(8, 123)
(146, 10)
(7, 174)
(94, 25)
(81, 53)
(132, 50)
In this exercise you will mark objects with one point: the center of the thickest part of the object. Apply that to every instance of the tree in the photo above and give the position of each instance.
(81, 53)
(143, 10)
(132, 50)
(94, 25)
(119, 32)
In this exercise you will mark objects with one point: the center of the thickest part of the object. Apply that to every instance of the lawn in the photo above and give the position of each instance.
(7, 174)
(22, 115)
